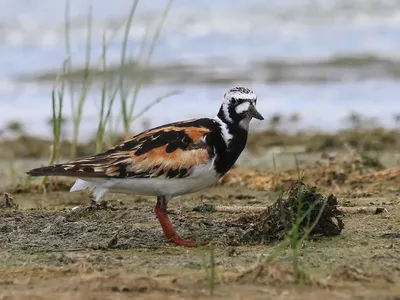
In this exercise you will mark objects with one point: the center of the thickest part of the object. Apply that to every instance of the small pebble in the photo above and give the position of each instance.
(60, 219)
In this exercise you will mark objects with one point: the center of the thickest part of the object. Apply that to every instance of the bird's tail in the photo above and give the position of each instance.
(53, 170)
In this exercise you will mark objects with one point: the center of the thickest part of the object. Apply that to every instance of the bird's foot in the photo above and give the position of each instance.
(169, 231)
(182, 243)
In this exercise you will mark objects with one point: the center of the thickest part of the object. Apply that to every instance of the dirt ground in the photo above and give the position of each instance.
(52, 247)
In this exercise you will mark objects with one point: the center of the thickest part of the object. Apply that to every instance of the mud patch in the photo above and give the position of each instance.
(351, 274)
(301, 205)
(272, 273)
(56, 231)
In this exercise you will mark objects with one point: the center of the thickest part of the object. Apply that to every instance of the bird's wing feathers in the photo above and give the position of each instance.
(170, 151)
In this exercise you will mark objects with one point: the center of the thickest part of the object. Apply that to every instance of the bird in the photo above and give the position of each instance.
(169, 160)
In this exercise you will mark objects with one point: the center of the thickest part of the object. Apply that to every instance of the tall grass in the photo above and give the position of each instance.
(210, 269)
(294, 236)
(57, 103)
(77, 108)
(275, 172)
(294, 233)
(107, 101)
(122, 92)
(110, 88)
(294, 239)
(128, 105)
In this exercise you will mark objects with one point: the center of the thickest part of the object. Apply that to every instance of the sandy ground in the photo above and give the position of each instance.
(49, 251)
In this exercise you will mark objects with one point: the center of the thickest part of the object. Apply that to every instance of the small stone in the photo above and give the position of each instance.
(380, 210)
(60, 219)
(47, 229)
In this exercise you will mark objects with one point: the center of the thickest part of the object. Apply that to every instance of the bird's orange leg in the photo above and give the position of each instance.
(168, 228)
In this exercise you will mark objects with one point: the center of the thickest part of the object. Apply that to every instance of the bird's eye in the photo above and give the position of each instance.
(234, 101)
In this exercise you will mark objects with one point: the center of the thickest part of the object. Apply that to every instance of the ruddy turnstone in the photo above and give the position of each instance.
(169, 160)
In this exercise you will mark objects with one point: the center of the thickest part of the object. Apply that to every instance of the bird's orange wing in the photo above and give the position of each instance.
(169, 151)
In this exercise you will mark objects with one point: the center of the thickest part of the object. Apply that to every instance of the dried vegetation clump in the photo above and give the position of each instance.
(313, 212)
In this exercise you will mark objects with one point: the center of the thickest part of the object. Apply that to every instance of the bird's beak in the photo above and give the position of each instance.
(253, 112)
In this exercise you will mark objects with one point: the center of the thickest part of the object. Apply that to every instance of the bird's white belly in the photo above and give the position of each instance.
(202, 177)
(160, 186)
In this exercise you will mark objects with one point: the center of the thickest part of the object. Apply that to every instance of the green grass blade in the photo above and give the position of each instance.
(77, 114)
(153, 42)
(153, 103)
(123, 95)
(67, 29)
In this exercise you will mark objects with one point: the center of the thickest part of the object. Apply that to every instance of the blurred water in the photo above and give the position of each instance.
(237, 32)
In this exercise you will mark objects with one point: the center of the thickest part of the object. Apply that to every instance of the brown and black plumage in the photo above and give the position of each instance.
(168, 151)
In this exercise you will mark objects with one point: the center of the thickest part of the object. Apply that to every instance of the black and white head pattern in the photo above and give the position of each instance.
(238, 107)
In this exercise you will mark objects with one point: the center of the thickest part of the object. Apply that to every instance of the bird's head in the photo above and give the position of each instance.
(239, 107)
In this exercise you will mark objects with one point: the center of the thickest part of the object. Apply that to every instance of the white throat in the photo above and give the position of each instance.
(245, 123)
